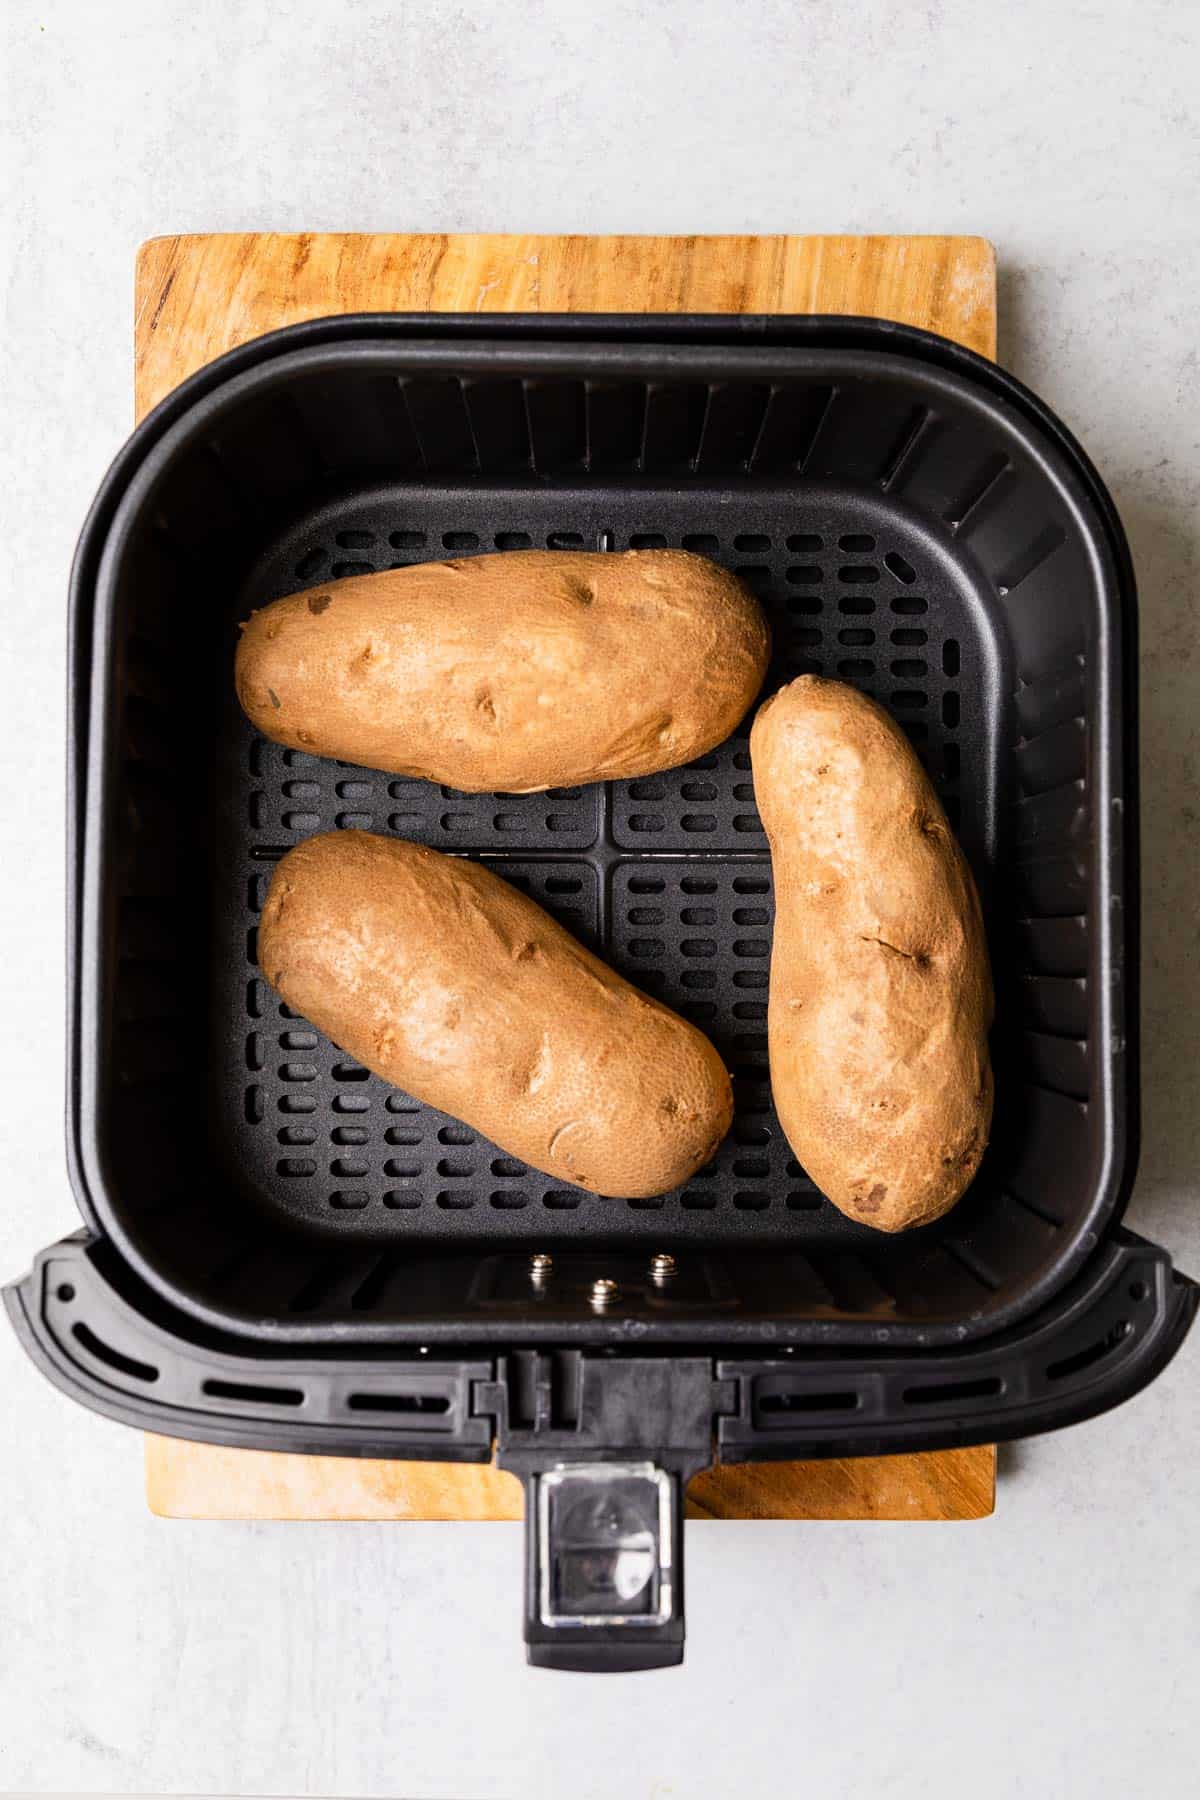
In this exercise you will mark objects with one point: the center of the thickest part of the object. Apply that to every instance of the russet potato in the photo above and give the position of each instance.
(880, 995)
(451, 985)
(510, 673)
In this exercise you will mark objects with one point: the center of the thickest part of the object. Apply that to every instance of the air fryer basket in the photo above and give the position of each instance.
(281, 1250)
(904, 529)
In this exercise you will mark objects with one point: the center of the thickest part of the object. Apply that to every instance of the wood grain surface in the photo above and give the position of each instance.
(205, 1481)
(197, 297)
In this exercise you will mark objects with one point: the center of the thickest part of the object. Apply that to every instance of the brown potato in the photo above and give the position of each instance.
(880, 997)
(448, 983)
(510, 673)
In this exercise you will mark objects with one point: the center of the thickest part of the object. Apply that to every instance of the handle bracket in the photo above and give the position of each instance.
(605, 1447)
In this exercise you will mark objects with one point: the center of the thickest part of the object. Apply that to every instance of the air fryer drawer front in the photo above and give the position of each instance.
(604, 1443)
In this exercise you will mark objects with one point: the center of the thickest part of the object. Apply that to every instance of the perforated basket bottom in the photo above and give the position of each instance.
(668, 877)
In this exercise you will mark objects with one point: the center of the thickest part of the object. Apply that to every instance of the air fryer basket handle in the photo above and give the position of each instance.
(604, 1567)
(605, 1444)
(605, 1447)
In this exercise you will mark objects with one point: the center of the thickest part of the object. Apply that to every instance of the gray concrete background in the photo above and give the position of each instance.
(1053, 1650)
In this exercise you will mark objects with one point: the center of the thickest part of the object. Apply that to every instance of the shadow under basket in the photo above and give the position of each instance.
(913, 522)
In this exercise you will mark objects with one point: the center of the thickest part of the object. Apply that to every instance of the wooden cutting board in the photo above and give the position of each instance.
(199, 296)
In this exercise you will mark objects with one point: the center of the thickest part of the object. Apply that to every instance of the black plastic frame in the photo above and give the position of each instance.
(106, 1340)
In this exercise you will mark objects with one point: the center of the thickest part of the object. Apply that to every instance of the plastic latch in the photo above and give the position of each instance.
(605, 1551)
(605, 1446)
(604, 1566)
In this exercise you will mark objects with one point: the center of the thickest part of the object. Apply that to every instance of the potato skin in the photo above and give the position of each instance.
(510, 673)
(880, 997)
(448, 983)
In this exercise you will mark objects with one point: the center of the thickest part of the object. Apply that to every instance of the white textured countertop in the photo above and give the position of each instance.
(1050, 1651)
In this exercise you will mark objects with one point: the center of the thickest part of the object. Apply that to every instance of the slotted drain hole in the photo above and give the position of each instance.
(252, 1391)
(398, 1403)
(838, 1400)
(116, 1359)
(941, 1393)
(1083, 1359)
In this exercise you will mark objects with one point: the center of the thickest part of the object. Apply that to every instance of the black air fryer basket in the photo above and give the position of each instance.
(281, 1251)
